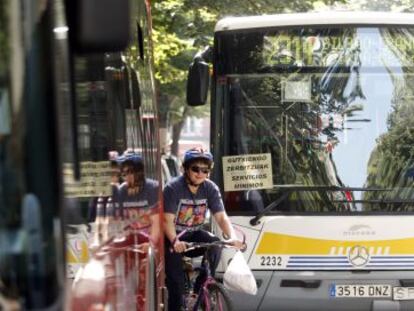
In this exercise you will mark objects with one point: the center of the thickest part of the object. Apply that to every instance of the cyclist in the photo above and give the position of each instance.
(137, 195)
(186, 201)
(138, 199)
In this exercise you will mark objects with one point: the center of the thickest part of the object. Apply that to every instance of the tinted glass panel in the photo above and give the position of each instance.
(31, 248)
(113, 212)
(332, 107)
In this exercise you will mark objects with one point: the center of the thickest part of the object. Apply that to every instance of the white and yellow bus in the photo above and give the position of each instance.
(312, 129)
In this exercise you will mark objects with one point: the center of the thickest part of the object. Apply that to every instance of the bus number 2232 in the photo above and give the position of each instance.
(271, 261)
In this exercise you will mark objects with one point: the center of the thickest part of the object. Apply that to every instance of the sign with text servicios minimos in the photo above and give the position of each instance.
(247, 172)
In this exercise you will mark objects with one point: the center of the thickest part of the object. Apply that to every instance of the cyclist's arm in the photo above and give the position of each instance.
(155, 227)
(224, 223)
(169, 226)
(170, 208)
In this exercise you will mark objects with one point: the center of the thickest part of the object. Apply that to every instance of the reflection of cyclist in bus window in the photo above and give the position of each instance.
(186, 201)
(138, 196)
(101, 209)
(138, 199)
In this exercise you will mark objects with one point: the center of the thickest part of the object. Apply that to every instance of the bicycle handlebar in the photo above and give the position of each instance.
(196, 245)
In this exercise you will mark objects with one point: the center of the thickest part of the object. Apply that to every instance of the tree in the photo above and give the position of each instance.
(174, 37)
(183, 27)
(391, 164)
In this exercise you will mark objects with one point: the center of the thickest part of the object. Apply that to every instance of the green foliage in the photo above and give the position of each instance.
(381, 5)
(169, 57)
(392, 162)
(183, 27)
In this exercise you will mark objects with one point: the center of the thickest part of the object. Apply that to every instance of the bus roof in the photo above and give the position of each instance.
(320, 18)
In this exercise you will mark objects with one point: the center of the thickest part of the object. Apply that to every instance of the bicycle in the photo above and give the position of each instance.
(211, 296)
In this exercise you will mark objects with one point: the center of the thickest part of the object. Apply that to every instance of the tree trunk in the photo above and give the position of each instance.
(176, 133)
(164, 103)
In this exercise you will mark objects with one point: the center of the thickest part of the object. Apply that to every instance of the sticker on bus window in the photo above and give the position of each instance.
(247, 172)
(293, 91)
(95, 180)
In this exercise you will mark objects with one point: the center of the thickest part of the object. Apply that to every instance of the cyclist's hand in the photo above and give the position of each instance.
(179, 246)
(237, 244)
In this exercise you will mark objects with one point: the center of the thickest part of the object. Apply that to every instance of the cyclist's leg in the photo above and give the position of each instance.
(174, 278)
(213, 253)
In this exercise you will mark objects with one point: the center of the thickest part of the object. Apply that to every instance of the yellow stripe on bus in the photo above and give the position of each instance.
(273, 243)
(81, 256)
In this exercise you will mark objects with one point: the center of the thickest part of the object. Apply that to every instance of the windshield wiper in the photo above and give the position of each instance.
(288, 189)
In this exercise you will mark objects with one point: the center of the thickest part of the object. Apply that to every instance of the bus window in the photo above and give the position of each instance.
(118, 220)
(313, 98)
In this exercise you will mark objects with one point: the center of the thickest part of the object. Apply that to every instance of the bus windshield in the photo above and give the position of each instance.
(331, 107)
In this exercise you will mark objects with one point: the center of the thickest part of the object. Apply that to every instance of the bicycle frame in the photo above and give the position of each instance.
(209, 282)
(203, 294)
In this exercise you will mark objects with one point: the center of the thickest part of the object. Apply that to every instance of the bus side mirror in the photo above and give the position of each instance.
(98, 25)
(198, 83)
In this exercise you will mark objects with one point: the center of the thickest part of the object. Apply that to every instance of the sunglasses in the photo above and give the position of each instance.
(197, 169)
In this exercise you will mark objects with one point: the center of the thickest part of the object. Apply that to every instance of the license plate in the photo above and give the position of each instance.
(360, 291)
(403, 293)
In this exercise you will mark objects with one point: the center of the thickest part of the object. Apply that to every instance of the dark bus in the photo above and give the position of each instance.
(76, 92)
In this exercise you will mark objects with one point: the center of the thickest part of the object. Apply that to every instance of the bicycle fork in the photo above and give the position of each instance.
(204, 295)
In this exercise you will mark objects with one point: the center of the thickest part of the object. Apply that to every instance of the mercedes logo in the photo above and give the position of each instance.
(358, 256)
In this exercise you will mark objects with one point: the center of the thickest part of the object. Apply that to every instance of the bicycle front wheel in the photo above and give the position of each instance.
(215, 298)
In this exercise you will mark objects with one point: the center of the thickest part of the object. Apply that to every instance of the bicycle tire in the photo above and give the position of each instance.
(218, 299)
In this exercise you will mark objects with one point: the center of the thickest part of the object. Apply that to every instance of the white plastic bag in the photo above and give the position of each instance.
(238, 276)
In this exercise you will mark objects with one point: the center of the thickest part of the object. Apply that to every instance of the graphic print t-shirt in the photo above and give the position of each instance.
(191, 209)
(138, 208)
(191, 213)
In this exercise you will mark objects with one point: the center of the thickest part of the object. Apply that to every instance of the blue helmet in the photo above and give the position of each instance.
(197, 154)
(130, 156)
